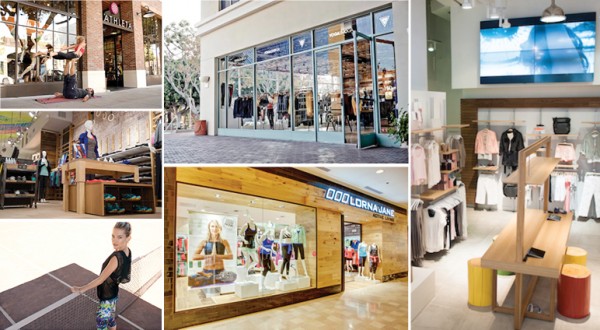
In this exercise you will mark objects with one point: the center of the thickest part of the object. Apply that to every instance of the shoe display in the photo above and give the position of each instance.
(131, 197)
(111, 209)
(109, 198)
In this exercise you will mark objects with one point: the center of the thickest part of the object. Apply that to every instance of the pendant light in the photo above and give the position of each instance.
(553, 14)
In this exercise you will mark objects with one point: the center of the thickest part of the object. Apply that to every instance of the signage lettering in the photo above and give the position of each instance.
(340, 32)
(358, 202)
(271, 51)
(117, 21)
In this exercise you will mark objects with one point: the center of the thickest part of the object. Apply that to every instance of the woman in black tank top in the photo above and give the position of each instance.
(116, 269)
(213, 251)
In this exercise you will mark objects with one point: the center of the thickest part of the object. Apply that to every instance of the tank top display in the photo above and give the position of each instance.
(208, 248)
(362, 250)
(286, 234)
(249, 235)
(374, 251)
(109, 289)
(91, 148)
(267, 244)
(349, 253)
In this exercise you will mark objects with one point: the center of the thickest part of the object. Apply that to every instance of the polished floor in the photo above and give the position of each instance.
(53, 210)
(362, 306)
(449, 309)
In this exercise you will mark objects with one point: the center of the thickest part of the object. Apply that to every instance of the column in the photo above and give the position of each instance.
(93, 59)
(134, 72)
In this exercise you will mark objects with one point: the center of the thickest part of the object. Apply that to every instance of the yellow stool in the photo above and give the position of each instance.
(575, 255)
(480, 284)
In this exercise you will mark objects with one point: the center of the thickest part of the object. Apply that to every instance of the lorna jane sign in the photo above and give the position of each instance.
(347, 198)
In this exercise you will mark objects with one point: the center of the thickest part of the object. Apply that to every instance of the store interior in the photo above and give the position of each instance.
(504, 162)
(57, 164)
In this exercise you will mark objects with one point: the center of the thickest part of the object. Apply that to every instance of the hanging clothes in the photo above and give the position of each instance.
(417, 227)
(591, 189)
(511, 142)
(591, 146)
(418, 168)
(457, 142)
(566, 153)
(486, 142)
(432, 151)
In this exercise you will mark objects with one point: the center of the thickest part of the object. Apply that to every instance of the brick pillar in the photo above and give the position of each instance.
(93, 59)
(134, 72)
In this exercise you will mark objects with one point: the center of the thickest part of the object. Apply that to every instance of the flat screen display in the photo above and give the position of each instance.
(531, 51)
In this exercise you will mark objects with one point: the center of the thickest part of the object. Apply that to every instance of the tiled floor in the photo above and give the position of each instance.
(186, 148)
(132, 98)
(449, 309)
(362, 306)
(53, 210)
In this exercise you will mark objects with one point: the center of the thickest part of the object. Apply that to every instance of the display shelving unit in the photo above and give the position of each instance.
(26, 188)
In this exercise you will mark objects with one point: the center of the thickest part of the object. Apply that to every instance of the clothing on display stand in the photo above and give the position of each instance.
(511, 142)
(457, 142)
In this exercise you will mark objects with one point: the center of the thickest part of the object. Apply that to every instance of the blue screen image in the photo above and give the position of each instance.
(538, 53)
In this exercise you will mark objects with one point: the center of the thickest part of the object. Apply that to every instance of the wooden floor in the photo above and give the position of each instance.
(53, 210)
(361, 306)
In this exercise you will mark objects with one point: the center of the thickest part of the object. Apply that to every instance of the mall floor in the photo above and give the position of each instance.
(449, 309)
(53, 210)
(186, 148)
(362, 306)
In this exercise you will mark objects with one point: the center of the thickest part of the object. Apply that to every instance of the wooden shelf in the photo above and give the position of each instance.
(19, 195)
(449, 152)
(572, 166)
(433, 195)
(591, 122)
(550, 236)
(16, 181)
(450, 171)
(426, 130)
(539, 169)
(499, 121)
(485, 168)
(456, 126)
(553, 135)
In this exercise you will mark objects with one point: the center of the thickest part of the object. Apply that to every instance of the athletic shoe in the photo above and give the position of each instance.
(109, 198)
(110, 208)
(120, 210)
(131, 197)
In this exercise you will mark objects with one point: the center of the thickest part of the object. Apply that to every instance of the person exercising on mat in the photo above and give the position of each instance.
(70, 89)
(78, 50)
(115, 270)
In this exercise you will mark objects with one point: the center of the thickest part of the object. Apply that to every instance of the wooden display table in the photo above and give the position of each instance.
(81, 167)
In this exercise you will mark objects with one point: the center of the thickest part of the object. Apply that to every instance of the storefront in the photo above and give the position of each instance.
(50, 167)
(128, 36)
(338, 77)
(241, 240)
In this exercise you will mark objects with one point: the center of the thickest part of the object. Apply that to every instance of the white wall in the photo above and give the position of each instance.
(465, 52)
(271, 21)
(418, 43)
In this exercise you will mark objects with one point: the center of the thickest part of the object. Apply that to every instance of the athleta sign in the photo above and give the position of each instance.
(347, 198)
(112, 18)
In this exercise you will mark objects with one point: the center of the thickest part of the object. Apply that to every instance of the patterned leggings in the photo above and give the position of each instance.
(106, 314)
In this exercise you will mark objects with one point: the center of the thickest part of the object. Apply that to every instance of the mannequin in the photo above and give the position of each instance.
(348, 256)
(375, 259)
(266, 252)
(298, 242)
(43, 175)
(270, 228)
(89, 140)
(248, 236)
(285, 241)
(362, 256)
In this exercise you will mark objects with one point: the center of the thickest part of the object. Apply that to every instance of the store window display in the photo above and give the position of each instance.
(232, 247)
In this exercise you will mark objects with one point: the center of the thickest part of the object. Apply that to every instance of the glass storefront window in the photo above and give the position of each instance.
(273, 91)
(363, 25)
(329, 88)
(384, 21)
(222, 64)
(386, 80)
(274, 50)
(152, 27)
(227, 240)
(342, 31)
(224, 98)
(226, 3)
(302, 42)
(24, 60)
(241, 107)
(303, 91)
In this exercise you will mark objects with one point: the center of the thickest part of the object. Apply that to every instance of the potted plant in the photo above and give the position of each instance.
(399, 128)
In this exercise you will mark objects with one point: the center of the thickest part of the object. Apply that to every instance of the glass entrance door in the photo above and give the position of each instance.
(328, 119)
(363, 95)
(113, 61)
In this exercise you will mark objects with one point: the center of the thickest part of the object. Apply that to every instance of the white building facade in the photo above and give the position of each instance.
(323, 71)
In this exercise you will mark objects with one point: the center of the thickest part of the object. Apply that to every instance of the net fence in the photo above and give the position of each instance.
(79, 311)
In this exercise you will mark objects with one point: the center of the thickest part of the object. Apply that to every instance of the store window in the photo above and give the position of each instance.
(303, 91)
(274, 50)
(342, 31)
(240, 83)
(244, 57)
(386, 81)
(273, 80)
(226, 3)
(302, 42)
(28, 33)
(152, 27)
(232, 247)
(384, 21)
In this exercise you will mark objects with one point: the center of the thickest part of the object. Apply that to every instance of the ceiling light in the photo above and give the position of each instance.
(553, 14)
(493, 13)
(217, 195)
(379, 171)
(467, 4)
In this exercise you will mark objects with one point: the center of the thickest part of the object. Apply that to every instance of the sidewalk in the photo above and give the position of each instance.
(186, 148)
(134, 98)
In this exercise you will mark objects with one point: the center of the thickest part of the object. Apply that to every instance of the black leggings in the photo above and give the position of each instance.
(65, 56)
(266, 263)
(43, 185)
(298, 247)
(287, 255)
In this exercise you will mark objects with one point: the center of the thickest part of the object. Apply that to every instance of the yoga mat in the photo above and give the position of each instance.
(49, 100)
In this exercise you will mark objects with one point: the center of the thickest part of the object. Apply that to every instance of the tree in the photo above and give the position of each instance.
(182, 66)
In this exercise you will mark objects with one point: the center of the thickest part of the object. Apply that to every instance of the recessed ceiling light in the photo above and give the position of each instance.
(281, 206)
(379, 171)
(217, 195)
(203, 210)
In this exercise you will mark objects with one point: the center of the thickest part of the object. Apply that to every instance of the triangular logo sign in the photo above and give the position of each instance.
(384, 20)
(302, 42)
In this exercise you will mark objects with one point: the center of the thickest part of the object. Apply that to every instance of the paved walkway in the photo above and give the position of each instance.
(132, 98)
(186, 148)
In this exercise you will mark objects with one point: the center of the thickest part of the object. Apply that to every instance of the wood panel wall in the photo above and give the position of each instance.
(468, 113)
(329, 248)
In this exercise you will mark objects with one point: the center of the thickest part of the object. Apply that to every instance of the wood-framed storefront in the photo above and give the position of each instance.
(392, 237)
(469, 112)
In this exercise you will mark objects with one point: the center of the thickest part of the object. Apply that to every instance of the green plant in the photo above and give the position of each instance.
(399, 127)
